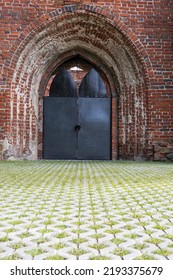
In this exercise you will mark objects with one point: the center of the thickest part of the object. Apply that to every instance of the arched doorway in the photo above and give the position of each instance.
(110, 47)
(77, 118)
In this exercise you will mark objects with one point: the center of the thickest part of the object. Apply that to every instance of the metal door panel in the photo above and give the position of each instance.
(60, 118)
(94, 135)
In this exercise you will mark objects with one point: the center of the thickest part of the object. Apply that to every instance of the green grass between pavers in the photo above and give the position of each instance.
(62, 235)
(117, 241)
(77, 252)
(41, 240)
(100, 258)
(11, 258)
(140, 246)
(86, 202)
(168, 236)
(121, 252)
(98, 246)
(4, 239)
(79, 240)
(9, 230)
(55, 258)
(58, 246)
(163, 252)
(155, 241)
(35, 252)
(145, 257)
(18, 245)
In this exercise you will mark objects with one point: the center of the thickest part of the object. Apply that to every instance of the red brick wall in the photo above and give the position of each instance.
(130, 42)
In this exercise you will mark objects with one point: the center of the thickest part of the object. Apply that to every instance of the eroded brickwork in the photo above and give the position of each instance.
(129, 42)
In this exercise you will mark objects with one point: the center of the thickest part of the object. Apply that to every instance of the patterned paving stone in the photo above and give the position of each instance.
(86, 210)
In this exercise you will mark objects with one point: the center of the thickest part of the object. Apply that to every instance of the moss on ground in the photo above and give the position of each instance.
(88, 205)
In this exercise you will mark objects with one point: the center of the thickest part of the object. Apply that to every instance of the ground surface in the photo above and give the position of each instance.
(86, 210)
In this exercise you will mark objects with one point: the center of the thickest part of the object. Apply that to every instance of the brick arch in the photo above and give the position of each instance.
(38, 25)
(110, 45)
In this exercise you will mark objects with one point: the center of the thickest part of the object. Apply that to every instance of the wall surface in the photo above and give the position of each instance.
(129, 42)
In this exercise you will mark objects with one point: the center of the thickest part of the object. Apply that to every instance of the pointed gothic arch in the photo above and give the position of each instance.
(109, 45)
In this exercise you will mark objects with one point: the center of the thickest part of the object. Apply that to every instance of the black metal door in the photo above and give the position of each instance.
(60, 118)
(77, 127)
(94, 135)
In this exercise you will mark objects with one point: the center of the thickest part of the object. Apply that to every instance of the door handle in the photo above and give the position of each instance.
(77, 127)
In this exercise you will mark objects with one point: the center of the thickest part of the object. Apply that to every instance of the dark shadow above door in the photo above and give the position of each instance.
(92, 85)
(63, 85)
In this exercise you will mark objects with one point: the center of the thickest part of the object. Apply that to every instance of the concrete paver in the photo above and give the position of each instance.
(86, 210)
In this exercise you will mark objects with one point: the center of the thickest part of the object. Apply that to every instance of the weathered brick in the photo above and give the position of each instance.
(128, 42)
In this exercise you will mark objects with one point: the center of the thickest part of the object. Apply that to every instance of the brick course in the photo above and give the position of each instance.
(128, 41)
